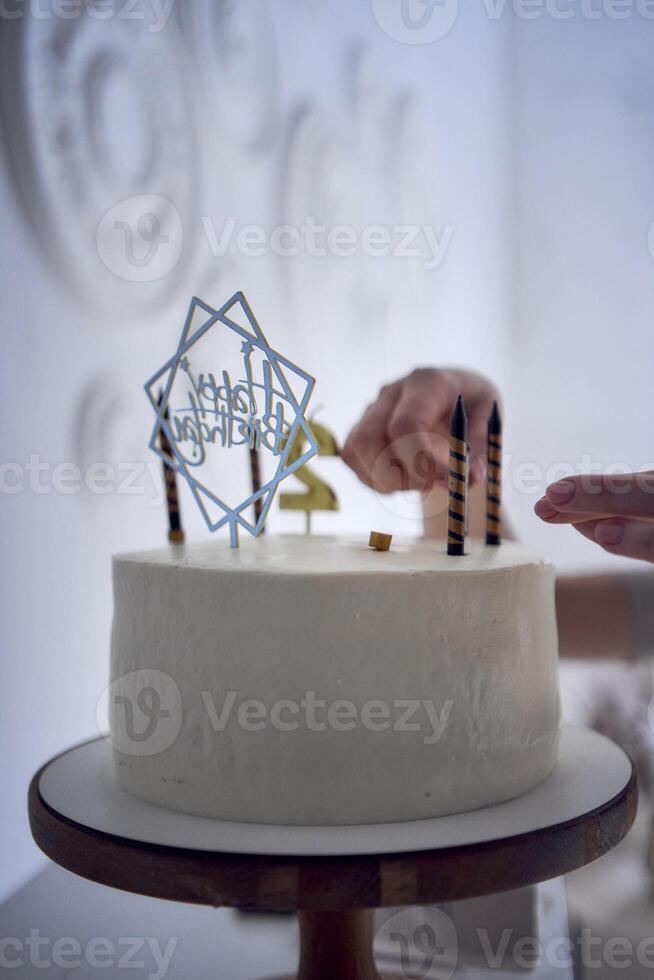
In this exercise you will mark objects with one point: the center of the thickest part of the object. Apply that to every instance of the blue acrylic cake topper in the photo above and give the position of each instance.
(239, 409)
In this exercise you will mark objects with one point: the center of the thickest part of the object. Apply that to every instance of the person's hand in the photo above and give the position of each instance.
(615, 511)
(402, 440)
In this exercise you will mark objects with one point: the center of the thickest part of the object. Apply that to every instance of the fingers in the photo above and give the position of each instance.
(402, 441)
(629, 495)
(631, 539)
(394, 446)
(616, 512)
(417, 459)
(417, 432)
(425, 398)
(369, 438)
(548, 512)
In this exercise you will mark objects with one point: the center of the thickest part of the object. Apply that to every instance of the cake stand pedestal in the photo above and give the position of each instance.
(334, 877)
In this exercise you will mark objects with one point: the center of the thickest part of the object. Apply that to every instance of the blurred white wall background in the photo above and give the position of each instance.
(524, 146)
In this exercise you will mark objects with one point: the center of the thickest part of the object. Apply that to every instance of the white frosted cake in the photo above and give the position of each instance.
(311, 680)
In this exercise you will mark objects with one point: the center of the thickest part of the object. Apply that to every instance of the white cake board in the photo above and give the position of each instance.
(81, 786)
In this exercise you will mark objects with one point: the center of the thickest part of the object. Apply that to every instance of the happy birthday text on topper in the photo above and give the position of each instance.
(227, 413)
(262, 410)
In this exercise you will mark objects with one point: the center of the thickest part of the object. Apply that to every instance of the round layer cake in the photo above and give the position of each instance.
(311, 680)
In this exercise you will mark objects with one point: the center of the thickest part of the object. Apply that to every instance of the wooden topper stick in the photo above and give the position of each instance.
(458, 469)
(494, 479)
(255, 471)
(175, 530)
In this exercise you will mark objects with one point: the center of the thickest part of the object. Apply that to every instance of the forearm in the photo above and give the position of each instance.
(597, 616)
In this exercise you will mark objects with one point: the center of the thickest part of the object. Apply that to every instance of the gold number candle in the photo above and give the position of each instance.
(457, 482)
(494, 479)
(318, 495)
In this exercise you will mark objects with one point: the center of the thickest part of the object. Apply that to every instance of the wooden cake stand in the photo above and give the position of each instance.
(333, 876)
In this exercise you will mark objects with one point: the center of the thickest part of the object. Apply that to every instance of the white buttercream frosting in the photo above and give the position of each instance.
(311, 680)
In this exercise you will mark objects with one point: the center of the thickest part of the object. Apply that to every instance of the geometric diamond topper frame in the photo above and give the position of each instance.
(248, 421)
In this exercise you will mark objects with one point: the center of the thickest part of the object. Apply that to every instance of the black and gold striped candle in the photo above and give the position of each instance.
(175, 530)
(494, 479)
(457, 482)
